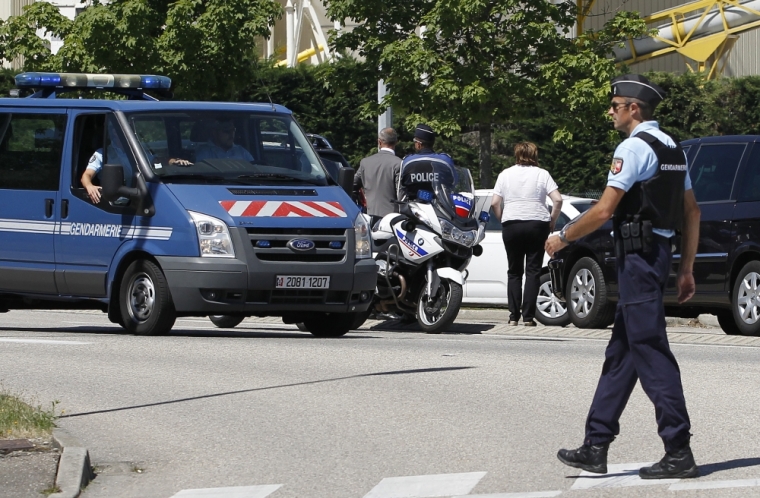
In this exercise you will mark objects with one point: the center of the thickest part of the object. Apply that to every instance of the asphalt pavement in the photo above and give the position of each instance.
(29, 473)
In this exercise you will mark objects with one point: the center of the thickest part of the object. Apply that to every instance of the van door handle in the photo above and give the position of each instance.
(65, 208)
(49, 203)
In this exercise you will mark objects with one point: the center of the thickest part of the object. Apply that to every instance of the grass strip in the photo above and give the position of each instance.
(19, 419)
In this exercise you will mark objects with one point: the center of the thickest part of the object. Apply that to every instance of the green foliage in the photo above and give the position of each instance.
(7, 81)
(325, 100)
(206, 46)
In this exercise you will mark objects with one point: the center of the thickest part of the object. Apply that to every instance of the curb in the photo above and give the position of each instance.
(74, 468)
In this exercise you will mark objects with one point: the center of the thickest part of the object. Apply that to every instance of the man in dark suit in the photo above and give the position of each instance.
(378, 176)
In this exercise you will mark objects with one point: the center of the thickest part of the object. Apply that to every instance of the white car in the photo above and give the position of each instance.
(487, 280)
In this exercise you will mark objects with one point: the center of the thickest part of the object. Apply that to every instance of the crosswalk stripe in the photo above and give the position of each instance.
(43, 341)
(618, 475)
(429, 486)
(738, 483)
(232, 492)
(526, 494)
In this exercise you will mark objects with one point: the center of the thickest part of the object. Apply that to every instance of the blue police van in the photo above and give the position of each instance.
(150, 209)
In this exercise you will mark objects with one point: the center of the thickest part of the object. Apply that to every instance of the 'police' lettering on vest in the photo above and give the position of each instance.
(424, 177)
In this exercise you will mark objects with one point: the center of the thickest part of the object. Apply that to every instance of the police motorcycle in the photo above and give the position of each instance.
(423, 251)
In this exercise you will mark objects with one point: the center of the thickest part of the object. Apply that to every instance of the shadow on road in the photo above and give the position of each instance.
(711, 468)
(455, 328)
(256, 389)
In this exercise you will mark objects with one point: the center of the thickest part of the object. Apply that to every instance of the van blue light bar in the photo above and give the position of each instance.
(86, 80)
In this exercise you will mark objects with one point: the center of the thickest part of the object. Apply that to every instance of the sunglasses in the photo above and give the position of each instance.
(615, 105)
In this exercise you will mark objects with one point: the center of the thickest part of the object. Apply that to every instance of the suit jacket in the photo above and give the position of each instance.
(378, 176)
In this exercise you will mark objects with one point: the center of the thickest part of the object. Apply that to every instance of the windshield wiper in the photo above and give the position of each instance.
(279, 176)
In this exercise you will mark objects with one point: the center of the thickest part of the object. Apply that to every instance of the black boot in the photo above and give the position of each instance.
(674, 465)
(589, 458)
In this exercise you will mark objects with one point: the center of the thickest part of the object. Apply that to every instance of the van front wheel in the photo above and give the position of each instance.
(146, 303)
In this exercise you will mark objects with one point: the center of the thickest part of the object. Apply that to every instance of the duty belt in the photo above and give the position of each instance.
(634, 235)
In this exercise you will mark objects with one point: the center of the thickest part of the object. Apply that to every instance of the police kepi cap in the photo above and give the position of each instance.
(637, 87)
(424, 133)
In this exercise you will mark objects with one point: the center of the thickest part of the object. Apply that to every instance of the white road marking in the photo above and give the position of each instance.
(618, 475)
(426, 486)
(526, 494)
(232, 492)
(44, 341)
(691, 484)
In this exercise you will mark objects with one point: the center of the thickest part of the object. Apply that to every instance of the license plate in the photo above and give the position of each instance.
(302, 282)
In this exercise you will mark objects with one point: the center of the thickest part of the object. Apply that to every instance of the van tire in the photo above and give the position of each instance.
(745, 299)
(329, 324)
(146, 304)
(226, 321)
(588, 304)
(551, 304)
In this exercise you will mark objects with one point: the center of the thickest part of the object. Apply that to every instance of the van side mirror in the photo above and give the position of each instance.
(346, 180)
(112, 184)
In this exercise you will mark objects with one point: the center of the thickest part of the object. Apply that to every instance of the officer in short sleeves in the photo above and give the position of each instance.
(649, 193)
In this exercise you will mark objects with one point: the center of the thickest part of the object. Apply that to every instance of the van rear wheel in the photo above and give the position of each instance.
(329, 324)
(146, 303)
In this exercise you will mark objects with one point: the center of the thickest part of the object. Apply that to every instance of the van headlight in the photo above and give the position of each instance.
(451, 233)
(361, 235)
(213, 236)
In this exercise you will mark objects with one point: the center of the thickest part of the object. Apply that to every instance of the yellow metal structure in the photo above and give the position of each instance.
(302, 56)
(703, 54)
(583, 9)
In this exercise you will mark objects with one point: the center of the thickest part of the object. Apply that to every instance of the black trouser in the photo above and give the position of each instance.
(524, 241)
(639, 350)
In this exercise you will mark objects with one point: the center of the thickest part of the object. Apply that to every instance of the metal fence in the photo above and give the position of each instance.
(590, 194)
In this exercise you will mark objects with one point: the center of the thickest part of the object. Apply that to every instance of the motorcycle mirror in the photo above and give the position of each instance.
(477, 250)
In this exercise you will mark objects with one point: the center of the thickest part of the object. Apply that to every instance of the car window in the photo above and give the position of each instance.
(31, 146)
(712, 174)
(583, 206)
(561, 221)
(750, 185)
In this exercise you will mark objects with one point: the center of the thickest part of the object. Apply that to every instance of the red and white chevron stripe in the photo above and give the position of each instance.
(301, 209)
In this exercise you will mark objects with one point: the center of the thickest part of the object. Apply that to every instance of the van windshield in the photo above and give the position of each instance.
(231, 147)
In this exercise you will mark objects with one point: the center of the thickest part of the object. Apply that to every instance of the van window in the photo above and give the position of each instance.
(750, 185)
(31, 146)
(89, 135)
(712, 174)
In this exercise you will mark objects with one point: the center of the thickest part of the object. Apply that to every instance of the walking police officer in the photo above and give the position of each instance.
(649, 192)
(424, 139)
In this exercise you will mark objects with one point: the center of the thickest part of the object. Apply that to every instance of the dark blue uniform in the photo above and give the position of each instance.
(639, 348)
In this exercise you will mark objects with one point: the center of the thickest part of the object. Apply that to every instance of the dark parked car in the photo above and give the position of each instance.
(725, 175)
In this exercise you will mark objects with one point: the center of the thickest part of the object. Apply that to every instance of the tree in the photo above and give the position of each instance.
(206, 46)
(457, 63)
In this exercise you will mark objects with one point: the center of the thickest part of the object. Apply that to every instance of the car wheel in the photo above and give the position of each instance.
(146, 303)
(745, 300)
(226, 321)
(727, 322)
(587, 301)
(549, 309)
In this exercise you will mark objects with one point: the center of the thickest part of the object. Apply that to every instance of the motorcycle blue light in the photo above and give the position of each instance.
(424, 195)
(263, 244)
(336, 244)
(484, 217)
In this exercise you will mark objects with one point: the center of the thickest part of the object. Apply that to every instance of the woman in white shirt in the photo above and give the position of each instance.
(526, 224)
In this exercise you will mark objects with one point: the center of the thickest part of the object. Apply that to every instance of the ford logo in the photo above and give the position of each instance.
(301, 245)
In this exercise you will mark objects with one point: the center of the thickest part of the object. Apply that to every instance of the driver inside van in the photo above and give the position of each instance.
(95, 165)
(222, 144)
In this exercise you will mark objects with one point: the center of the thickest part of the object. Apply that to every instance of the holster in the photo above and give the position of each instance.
(634, 235)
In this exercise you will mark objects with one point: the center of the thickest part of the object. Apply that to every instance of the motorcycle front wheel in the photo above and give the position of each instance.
(435, 316)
